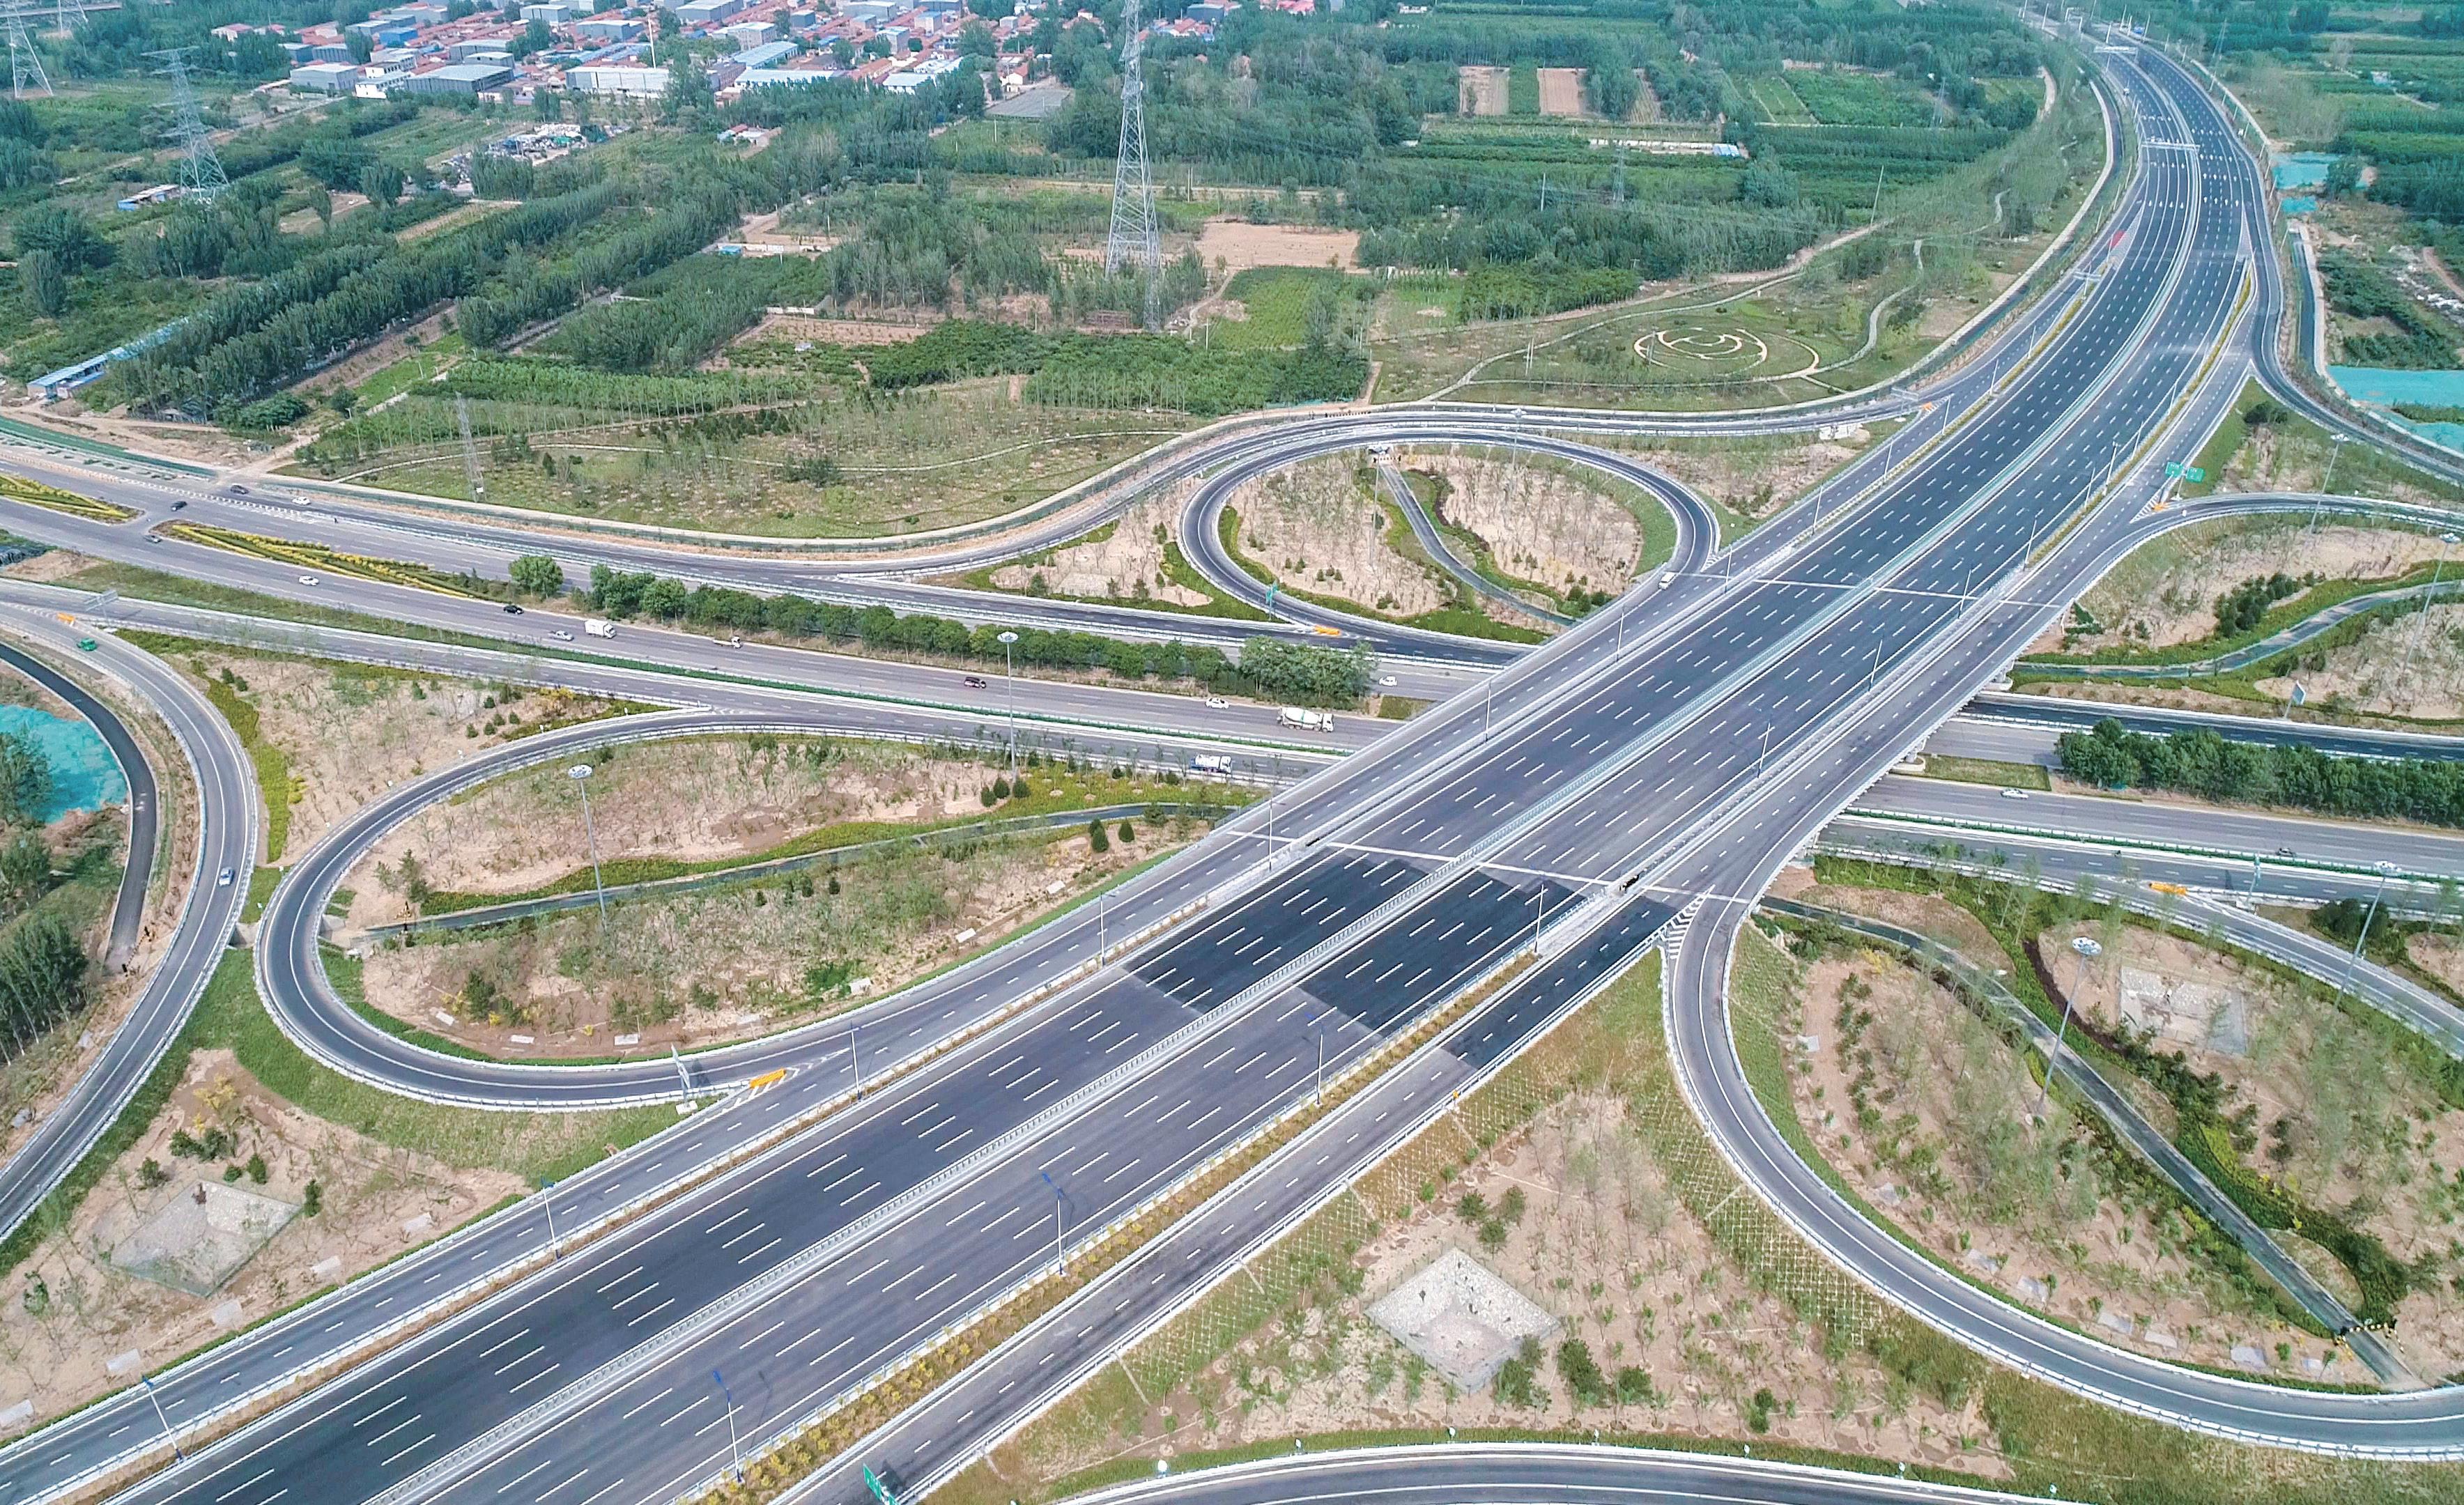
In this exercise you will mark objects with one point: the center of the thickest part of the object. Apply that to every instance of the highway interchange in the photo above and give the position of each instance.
(1664, 758)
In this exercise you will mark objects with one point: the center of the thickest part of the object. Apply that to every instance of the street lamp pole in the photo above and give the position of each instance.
(1059, 1262)
(2327, 483)
(1009, 677)
(2088, 950)
(579, 774)
(2447, 541)
(734, 1445)
(2352, 963)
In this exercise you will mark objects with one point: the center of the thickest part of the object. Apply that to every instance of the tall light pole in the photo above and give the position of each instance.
(2447, 541)
(579, 774)
(1059, 1261)
(2088, 950)
(1009, 670)
(2352, 963)
(735, 1446)
(2328, 485)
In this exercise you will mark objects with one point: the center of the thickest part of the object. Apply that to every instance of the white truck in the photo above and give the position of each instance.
(1211, 763)
(599, 626)
(1301, 720)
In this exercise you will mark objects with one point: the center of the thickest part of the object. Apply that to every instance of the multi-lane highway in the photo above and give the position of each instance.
(1667, 753)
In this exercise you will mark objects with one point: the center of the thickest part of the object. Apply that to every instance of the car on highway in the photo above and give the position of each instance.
(1387, 683)
(179, 504)
(1216, 703)
(2286, 851)
(2015, 793)
(239, 491)
(513, 608)
(307, 580)
(221, 880)
(976, 682)
(560, 635)
(86, 645)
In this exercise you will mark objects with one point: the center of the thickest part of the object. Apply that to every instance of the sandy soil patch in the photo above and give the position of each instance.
(1561, 92)
(352, 732)
(1922, 1108)
(2371, 675)
(1752, 475)
(53, 564)
(2441, 956)
(1924, 913)
(376, 1202)
(2192, 698)
(1233, 245)
(2266, 463)
(1319, 529)
(747, 794)
(2165, 592)
(834, 331)
(727, 964)
(1608, 1250)
(2335, 1114)
(1543, 524)
(1480, 89)
(1126, 563)
(370, 359)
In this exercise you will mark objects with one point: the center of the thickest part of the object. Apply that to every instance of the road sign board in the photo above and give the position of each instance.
(2173, 470)
(2193, 472)
(879, 1490)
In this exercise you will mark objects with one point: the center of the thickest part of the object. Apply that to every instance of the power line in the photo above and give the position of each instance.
(1133, 236)
(201, 171)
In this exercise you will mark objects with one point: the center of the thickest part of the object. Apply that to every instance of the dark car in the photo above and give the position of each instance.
(976, 682)
(513, 609)
(180, 505)
(239, 491)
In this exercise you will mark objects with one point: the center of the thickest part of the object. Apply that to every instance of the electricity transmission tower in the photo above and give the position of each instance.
(470, 449)
(25, 64)
(201, 171)
(1133, 238)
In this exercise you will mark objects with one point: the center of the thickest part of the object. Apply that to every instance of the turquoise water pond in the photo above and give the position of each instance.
(84, 775)
(2303, 206)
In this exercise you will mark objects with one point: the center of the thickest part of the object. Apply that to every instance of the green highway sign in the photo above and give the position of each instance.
(879, 1490)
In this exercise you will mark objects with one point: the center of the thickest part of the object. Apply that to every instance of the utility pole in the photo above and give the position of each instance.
(201, 171)
(734, 1445)
(1134, 237)
(25, 63)
(2088, 950)
(2447, 541)
(1009, 666)
(579, 774)
(169, 1435)
(1059, 1262)
(470, 449)
(2328, 485)
(2352, 963)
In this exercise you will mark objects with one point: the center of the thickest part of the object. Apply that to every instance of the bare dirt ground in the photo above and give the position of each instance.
(1561, 92)
(2208, 700)
(2344, 1123)
(1231, 245)
(41, 1076)
(352, 732)
(2266, 463)
(1541, 524)
(1752, 476)
(1479, 90)
(835, 331)
(2165, 592)
(1609, 1250)
(726, 964)
(1128, 562)
(377, 1202)
(1924, 913)
(1949, 1157)
(2371, 676)
(1320, 531)
(746, 796)
(2442, 957)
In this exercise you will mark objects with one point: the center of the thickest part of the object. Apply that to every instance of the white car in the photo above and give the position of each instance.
(561, 636)
(1388, 683)
(1216, 703)
(307, 580)
(224, 878)
(2015, 793)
